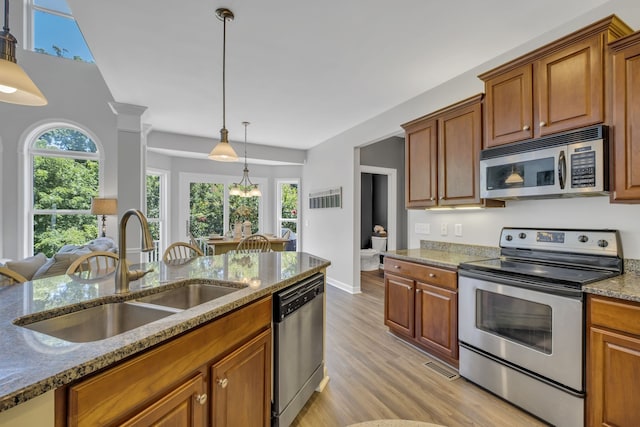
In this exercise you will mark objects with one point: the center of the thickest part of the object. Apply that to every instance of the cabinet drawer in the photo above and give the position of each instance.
(615, 314)
(423, 273)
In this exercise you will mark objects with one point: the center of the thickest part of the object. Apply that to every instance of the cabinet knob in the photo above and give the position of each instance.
(432, 275)
(396, 266)
(525, 127)
(432, 199)
(543, 124)
(201, 398)
(222, 382)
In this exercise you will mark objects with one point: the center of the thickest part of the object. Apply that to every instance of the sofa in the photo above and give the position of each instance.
(39, 266)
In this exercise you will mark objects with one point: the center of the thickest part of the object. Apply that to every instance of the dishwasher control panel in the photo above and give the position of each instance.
(294, 297)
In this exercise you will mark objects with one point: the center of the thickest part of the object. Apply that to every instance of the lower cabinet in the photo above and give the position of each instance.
(421, 305)
(613, 362)
(219, 374)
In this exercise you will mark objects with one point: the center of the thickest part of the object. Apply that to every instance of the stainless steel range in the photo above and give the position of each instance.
(521, 317)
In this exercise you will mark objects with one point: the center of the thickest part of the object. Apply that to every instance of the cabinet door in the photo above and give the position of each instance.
(241, 384)
(570, 87)
(421, 165)
(613, 379)
(437, 320)
(459, 144)
(626, 117)
(509, 107)
(185, 406)
(399, 304)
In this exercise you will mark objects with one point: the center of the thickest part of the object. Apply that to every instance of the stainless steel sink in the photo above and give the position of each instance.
(97, 323)
(188, 296)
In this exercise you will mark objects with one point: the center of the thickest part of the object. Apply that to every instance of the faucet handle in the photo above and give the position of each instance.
(137, 274)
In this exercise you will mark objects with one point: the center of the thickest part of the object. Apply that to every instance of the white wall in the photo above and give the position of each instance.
(332, 164)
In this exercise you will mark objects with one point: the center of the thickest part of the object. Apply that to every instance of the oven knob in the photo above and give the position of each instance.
(583, 239)
(603, 243)
(508, 237)
(522, 235)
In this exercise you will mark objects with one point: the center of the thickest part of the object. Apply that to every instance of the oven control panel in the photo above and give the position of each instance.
(602, 242)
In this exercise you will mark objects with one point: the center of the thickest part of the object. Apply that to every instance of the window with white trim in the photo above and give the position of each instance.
(288, 206)
(65, 176)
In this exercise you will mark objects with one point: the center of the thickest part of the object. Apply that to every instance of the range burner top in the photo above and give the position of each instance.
(555, 257)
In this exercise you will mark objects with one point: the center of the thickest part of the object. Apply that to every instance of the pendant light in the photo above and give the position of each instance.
(514, 178)
(15, 85)
(223, 151)
(245, 188)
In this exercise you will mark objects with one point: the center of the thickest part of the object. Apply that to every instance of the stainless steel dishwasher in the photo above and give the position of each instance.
(298, 368)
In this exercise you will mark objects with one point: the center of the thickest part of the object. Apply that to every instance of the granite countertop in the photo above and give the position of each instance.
(625, 287)
(34, 363)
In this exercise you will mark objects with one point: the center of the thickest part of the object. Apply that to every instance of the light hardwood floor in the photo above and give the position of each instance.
(373, 375)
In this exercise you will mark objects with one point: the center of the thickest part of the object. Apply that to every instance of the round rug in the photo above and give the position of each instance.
(395, 423)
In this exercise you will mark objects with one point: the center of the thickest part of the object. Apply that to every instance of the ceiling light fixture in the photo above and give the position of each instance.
(223, 151)
(15, 85)
(245, 188)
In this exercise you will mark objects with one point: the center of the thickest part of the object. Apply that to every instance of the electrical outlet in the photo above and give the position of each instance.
(457, 229)
(444, 229)
(422, 228)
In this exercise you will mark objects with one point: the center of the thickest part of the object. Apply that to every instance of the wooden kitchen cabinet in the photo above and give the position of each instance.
(172, 384)
(558, 87)
(442, 155)
(626, 119)
(613, 362)
(242, 385)
(421, 306)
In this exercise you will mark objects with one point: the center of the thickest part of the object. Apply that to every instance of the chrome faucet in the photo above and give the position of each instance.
(123, 275)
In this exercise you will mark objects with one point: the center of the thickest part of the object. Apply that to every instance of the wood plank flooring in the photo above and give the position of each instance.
(376, 376)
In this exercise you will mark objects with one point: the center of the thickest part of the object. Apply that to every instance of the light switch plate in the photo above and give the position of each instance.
(457, 229)
(444, 229)
(422, 228)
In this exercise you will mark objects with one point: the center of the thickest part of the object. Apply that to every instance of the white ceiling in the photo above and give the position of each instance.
(299, 71)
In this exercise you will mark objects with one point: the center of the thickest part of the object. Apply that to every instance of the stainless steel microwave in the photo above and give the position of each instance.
(570, 164)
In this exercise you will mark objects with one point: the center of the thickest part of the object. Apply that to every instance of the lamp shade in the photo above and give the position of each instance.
(223, 152)
(103, 206)
(16, 87)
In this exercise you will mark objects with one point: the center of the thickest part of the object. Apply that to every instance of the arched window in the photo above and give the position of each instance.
(65, 166)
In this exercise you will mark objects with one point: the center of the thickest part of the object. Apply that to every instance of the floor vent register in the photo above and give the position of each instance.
(448, 373)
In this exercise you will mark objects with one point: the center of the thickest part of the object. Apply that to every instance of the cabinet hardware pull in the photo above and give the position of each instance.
(396, 266)
(222, 382)
(543, 124)
(432, 275)
(201, 398)
(525, 127)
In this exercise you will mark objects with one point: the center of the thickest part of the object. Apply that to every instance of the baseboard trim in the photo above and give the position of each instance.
(343, 286)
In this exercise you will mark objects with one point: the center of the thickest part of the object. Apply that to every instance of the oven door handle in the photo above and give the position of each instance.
(511, 280)
(562, 170)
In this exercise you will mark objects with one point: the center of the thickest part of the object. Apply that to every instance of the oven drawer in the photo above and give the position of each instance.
(423, 273)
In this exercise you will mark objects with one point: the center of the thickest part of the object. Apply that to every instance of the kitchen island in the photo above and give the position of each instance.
(34, 363)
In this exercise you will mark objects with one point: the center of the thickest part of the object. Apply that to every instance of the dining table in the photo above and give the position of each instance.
(226, 244)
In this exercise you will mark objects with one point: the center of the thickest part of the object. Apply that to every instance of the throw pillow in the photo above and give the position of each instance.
(28, 266)
(59, 263)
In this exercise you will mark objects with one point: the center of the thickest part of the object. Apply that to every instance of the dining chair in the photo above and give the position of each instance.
(10, 277)
(93, 265)
(181, 250)
(254, 243)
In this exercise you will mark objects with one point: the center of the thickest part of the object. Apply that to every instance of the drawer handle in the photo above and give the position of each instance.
(222, 382)
(432, 275)
(201, 398)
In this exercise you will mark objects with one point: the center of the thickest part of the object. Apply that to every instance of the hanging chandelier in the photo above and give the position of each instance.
(223, 151)
(245, 188)
(15, 85)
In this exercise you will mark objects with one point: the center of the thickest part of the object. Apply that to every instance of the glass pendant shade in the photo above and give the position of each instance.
(15, 85)
(223, 151)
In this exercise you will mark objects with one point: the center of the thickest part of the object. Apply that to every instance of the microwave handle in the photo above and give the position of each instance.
(562, 170)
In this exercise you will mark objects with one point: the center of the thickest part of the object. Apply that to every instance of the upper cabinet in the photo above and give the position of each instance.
(558, 87)
(626, 119)
(442, 156)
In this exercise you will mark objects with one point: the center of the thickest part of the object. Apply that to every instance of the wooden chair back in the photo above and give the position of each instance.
(10, 277)
(94, 265)
(254, 243)
(181, 250)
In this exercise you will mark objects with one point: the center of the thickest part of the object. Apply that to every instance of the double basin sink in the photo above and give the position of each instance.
(110, 319)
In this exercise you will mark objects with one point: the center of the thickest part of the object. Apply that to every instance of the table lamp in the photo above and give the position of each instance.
(104, 207)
